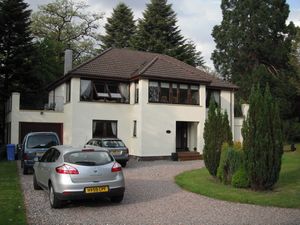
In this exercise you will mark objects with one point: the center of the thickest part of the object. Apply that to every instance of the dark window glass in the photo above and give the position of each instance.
(194, 94)
(46, 157)
(213, 95)
(85, 90)
(174, 93)
(153, 91)
(54, 156)
(134, 128)
(42, 141)
(164, 92)
(136, 93)
(183, 93)
(93, 158)
(104, 128)
(68, 91)
(112, 143)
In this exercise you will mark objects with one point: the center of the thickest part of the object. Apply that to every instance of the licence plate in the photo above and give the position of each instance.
(39, 154)
(116, 152)
(96, 189)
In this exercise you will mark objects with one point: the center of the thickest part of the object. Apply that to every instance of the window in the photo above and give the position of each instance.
(213, 95)
(41, 141)
(134, 128)
(136, 93)
(153, 91)
(164, 92)
(104, 91)
(104, 128)
(173, 93)
(68, 91)
(92, 158)
(183, 94)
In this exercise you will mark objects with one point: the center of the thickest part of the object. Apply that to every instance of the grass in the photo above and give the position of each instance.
(286, 192)
(12, 210)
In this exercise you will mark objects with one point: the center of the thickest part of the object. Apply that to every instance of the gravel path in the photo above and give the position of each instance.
(152, 197)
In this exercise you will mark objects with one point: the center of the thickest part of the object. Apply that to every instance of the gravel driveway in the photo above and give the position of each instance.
(152, 197)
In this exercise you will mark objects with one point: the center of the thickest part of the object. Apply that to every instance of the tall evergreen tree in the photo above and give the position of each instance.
(214, 129)
(15, 48)
(119, 28)
(252, 33)
(263, 145)
(158, 32)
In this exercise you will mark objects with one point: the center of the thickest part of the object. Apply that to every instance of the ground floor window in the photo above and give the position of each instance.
(105, 128)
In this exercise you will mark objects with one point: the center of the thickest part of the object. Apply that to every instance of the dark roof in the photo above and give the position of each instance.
(127, 64)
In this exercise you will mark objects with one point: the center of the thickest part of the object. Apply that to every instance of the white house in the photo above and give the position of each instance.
(156, 104)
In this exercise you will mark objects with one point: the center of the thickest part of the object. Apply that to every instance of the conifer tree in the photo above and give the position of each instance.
(158, 32)
(15, 50)
(213, 138)
(227, 134)
(119, 28)
(263, 145)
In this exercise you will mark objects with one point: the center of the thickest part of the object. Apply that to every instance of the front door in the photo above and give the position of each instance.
(181, 136)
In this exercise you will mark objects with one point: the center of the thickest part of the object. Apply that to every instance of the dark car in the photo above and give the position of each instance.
(115, 146)
(35, 144)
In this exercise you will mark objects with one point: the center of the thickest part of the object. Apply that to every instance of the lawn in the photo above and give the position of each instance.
(12, 209)
(286, 192)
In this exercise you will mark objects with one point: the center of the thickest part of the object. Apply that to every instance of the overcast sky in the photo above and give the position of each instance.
(196, 18)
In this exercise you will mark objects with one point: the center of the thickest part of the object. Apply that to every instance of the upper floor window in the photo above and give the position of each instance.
(105, 91)
(174, 93)
(68, 91)
(213, 95)
(136, 93)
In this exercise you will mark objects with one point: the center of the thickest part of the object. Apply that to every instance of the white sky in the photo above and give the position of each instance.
(196, 18)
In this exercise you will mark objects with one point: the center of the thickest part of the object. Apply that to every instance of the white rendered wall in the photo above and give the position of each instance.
(238, 124)
(38, 116)
(227, 103)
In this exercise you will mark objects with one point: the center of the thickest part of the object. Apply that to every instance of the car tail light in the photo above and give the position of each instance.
(116, 167)
(25, 156)
(66, 169)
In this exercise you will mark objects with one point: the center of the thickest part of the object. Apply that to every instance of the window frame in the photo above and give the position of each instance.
(111, 97)
(68, 91)
(174, 99)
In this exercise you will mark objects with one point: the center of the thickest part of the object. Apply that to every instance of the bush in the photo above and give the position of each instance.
(231, 160)
(240, 178)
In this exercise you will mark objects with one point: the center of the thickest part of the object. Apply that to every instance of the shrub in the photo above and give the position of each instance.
(231, 160)
(240, 178)
(263, 145)
(216, 132)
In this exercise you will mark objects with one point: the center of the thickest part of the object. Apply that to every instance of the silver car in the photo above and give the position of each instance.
(115, 146)
(73, 173)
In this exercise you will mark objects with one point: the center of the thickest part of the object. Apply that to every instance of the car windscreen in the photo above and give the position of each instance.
(112, 143)
(88, 158)
(42, 141)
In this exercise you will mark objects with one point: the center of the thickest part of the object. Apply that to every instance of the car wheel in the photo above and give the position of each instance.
(123, 164)
(54, 201)
(117, 199)
(25, 170)
(36, 186)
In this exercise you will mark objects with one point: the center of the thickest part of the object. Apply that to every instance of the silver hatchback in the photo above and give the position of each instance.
(73, 173)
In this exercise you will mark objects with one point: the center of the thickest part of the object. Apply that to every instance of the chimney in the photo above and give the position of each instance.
(68, 60)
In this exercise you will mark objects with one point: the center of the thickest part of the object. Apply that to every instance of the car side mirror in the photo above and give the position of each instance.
(36, 159)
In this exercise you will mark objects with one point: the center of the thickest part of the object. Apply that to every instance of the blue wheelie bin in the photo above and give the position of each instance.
(10, 149)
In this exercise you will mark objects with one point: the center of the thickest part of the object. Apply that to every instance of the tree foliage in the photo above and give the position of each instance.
(120, 28)
(69, 23)
(214, 136)
(157, 32)
(263, 145)
(15, 45)
(252, 33)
